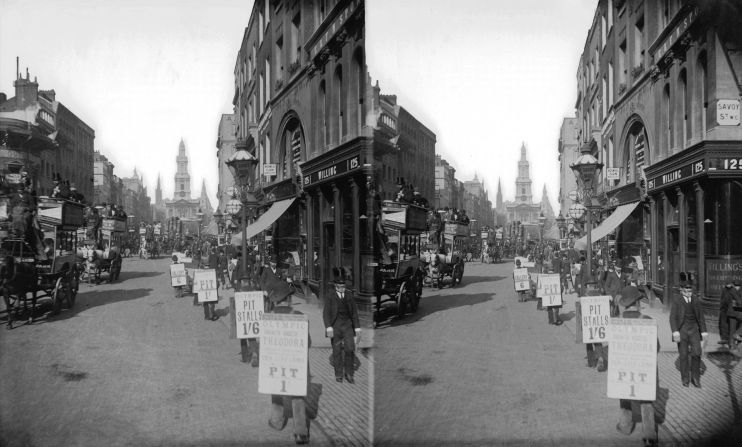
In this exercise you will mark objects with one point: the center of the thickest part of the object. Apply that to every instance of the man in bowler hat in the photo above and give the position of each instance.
(340, 316)
(688, 331)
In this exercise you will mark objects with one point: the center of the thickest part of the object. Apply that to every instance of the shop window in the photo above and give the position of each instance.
(660, 243)
(315, 242)
(348, 222)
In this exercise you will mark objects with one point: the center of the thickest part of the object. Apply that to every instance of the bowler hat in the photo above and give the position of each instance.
(628, 296)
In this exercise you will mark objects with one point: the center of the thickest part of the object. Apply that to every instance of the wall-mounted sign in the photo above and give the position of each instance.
(677, 175)
(332, 171)
(269, 168)
(727, 112)
(613, 173)
(674, 35)
(725, 164)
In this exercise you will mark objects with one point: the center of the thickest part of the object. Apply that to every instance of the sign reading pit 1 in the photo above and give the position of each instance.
(204, 283)
(284, 354)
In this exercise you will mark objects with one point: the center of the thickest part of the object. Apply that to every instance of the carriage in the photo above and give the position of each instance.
(400, 273)
(104, 255)
(54, 274)
(445, 253)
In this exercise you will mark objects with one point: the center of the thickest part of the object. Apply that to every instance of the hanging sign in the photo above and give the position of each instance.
(248, 311)
(178, 275)
(632, 370)
(595, 316)
(521, 279)
(284, 354)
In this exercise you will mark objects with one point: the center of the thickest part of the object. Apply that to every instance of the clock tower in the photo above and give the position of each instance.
(182, 178)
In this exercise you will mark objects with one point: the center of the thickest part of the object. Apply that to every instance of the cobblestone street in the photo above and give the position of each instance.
(477, 367)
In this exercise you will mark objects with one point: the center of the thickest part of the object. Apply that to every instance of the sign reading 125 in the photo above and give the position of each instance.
(732, 163)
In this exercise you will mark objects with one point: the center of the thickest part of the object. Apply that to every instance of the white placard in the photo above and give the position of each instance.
(269, 169)
(727, 112)
(613, 173)
(178, 275)
(204, 283)
(521, 279)
(284, 355)
(549, 287)
(632, 359)
(596, 316)
(248, 311)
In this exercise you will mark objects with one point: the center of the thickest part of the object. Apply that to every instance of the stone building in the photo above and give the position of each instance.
(103, 186)
(659, 103)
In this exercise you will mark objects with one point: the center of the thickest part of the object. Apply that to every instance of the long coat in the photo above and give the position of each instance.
(677, 313)
(333, 303)
(613, 283)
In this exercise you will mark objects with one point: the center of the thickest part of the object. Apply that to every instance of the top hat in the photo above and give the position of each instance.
(629, 295)
(273, 259)
(686, 284)
(736, 282)
(338, 275)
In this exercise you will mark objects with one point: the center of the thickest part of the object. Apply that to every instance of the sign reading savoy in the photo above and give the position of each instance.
(334, 170)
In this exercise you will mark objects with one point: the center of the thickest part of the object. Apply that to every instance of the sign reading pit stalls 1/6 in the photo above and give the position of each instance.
(284, 354)
(632, 371)
(248, 311)
(204, 283)
(596, 316)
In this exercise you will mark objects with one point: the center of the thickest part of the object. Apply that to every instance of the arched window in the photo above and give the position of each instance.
(322, 115)
(636, 153)
(703, 99)
(360, 88)
(667, 119)
(339, 92)
(291, 152)
(684, 107)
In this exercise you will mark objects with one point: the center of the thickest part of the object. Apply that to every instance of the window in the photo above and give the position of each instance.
(603, 32)
(278, 58)
(261, 24)
(267, 80)
(667, 118)
(261, 98)
(295, 48)
(339, 91)
(610, 14)
(604, 92)
(622, 67)
(610, 84)
(639, 43)
(684, 107)
(703, 89)
(360, 89)
(322, 116)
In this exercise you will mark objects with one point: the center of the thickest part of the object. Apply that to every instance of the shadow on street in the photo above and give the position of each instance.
(466, 280)
(430, 305)
(94, 298)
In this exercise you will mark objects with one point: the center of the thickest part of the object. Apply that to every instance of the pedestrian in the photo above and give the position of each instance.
(279, 302)
(178, 289)
(630, 299)
(688, 331)
(340, 315)
(734, 313)
(725, 303)
(221, 269)
(250, 348)
(209, 306)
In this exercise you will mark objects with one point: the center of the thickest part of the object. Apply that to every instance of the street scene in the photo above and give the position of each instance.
(370, 222)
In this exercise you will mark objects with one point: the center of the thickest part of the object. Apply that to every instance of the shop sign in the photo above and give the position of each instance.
(332, 171)
(676, 33)
(721, 270)
(284, 354)
(269, 168)
(632, 371)
(725, 164)
(677, 175)
(613, 173)
(727, 112)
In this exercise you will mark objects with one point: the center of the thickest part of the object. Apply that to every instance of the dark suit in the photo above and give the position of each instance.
(342, 316)
(687, 319)
(613, 283)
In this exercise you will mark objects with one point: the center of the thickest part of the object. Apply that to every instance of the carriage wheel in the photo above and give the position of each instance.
(58, 294)
(402, 300)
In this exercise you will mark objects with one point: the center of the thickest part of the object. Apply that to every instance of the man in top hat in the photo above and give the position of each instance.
(733, 313)
(629, 298)
(688, 331)
(340, 316)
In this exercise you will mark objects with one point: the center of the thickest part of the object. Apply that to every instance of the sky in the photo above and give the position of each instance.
(484, 75)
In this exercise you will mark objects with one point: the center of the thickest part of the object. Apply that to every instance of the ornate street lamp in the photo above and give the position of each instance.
(586, 168)
(242, 166)
(561, 224)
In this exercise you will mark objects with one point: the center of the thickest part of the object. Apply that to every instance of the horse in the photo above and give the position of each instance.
(18, 279)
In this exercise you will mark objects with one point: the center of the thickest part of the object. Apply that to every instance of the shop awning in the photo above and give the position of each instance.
(265, 220)
(608, 225)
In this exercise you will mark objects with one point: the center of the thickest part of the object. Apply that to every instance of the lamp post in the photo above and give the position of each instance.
(560, 220)
(586, 168)
(200, 216)
(219, 219)
(242, 166)
(541, 223)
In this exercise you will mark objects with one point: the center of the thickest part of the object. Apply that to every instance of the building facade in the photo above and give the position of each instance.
(225, 146)
(659, 104)
(569, 150)
(103, 186)
(137, 203)
(447, 189)
(182, 205)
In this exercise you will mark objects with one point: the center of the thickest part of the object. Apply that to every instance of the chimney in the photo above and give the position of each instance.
(26, 92)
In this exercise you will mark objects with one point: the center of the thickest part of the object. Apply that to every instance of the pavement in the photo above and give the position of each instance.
(344, 411)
